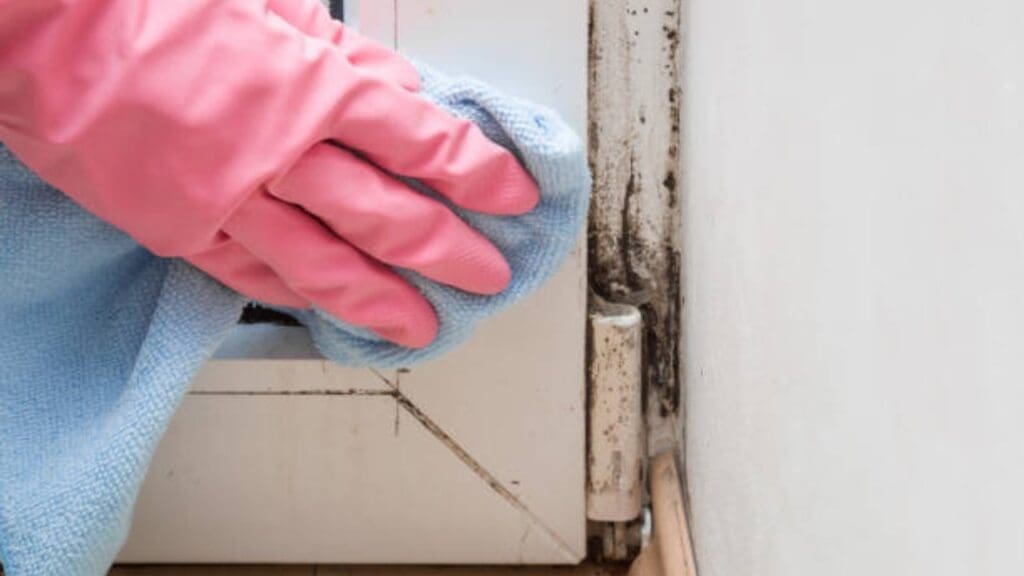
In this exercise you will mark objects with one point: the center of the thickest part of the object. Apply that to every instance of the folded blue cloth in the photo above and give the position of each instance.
(99, 338)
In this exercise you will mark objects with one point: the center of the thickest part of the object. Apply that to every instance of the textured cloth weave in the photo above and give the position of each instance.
(99, 338)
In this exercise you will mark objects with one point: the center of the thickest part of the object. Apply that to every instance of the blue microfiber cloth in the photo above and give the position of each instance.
(99, 338)
(535, 244)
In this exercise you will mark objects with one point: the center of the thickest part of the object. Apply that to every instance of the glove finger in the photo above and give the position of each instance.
(405, 134)
(313, 19)
(235, 267)
(330, 273)
(392, 222)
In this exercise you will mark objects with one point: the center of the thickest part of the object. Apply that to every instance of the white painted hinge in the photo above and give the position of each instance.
(616, 423)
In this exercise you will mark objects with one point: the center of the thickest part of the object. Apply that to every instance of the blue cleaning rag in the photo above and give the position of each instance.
(99, 338)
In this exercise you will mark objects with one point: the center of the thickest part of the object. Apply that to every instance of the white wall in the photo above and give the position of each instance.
(854, 233)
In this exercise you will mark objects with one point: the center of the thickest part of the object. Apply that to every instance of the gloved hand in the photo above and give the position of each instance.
(257, 140)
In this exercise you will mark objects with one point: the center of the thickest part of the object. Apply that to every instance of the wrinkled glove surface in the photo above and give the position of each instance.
(258, 140)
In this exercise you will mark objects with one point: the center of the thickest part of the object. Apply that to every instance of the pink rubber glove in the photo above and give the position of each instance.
(213, 130)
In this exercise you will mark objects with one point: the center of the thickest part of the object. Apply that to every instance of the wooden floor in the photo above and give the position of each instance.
(582, 570)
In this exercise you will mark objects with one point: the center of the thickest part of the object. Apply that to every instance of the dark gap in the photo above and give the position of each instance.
(356, 392)
(254, 313)
(338, 9)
